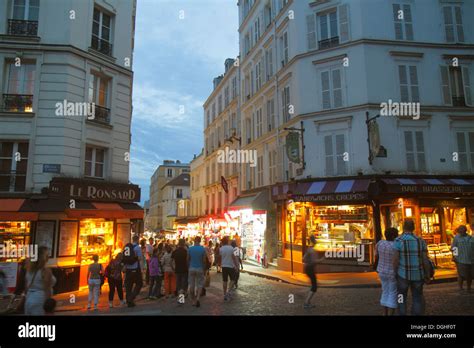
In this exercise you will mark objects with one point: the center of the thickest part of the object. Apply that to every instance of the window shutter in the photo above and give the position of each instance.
(273, 9)
(467, 85)
(402, 75)
(337, 87)
(329, 155)
(445, 85)
(415, 96)
(340, 149)
(409, 151)
(448, 23)
(462, 151)
(420, 149)
(326, 94)
(397, 22)
(311, 29)
(343, 23)
(459, 27)
(471, 149)
(408, 22)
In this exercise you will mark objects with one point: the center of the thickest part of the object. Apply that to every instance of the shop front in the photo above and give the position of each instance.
(338, 213)
(437, 204)
(76, 220)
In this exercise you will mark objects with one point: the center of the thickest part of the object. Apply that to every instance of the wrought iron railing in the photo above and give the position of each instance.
(18, 103)
(101, 115)
(327, 43)
(19, 27)
(101, 45)
(459, 101)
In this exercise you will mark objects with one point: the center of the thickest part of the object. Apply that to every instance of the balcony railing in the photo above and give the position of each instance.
(19, 27)
(18, 103)
(102, 115)
(327, 43)
(459, 101)
(102, 46)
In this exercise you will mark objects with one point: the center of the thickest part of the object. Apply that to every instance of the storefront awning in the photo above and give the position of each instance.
(13, 210)
(106, 210)
(256, 201)
(329, 191)
(455, 186)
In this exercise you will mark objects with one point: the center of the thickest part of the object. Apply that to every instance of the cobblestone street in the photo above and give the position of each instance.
(259, 296)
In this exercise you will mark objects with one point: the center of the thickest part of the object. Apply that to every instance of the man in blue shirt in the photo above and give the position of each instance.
(197, 266)
(409, 265)
(133, 275)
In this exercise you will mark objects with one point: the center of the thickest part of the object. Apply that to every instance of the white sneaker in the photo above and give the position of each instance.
(88, 306)
(110, 304)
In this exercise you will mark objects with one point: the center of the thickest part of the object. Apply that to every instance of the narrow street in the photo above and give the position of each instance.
(259, 296)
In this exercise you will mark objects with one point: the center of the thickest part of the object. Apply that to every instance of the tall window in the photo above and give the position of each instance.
(269, 63)
(335, 148)
(331, 88)
(234, 87)
(208, 118)
(333, 27)
(20, 85)
(271, 114)
(284, 49)
(226, 96)
(99, 90)
(453, 26)
(285, 101)
(94, 162)
(213, 111)
(24, 20)
(179, 193)
(102, 32)
(415, 151)
(403, 22)
(465, 142)
(260, 171)
(258, 75)
(257, 29)
(272, 160)
(259, 123)
(13, 166)
(219, 104)
(267, 14)
(169, 173)
(408, 78)
(248, 129)
(456, 85)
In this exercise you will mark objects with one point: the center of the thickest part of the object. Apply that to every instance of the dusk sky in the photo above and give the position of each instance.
(175, 61)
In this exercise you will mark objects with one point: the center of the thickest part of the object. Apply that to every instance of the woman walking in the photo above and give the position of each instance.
(168, 267)
(156, 277)
(309, 261)
(113, 272)
(39, 283)
(384, 255)
(94, 280)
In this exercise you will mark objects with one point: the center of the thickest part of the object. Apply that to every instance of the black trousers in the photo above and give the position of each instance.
(133, 283)
(115, 284)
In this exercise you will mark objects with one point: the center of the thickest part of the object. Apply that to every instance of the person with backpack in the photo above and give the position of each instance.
(168, 268)
(94, 280)
(462, 256)
(113, 272)
(180, 257)
(412, 267)
(132, 256)
(156, 277)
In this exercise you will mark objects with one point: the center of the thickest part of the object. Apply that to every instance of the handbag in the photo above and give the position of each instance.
(20, 308)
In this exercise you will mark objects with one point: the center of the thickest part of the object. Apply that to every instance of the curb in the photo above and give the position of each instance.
(342, 286)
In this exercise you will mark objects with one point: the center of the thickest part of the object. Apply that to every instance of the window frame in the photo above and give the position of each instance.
(94, 162)
(14, 164)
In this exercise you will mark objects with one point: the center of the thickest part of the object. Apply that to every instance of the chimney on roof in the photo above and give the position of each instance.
(217, 80)
(229, 62)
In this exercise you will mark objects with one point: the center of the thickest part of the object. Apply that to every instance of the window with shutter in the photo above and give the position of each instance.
(408, 78)
(446, 88)
(336, 87)
(410, 155)
(415, 151)
(311, 30)
(326, 93)
(328, 148)
(453, 23)
(465, 149)
(331, 88)
(403, 22)
(467, 85)
(340, 152)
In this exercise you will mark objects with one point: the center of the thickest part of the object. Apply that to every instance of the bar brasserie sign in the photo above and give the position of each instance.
(94, 191)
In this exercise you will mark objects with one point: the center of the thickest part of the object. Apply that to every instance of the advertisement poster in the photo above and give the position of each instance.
(45, 235)
(10, 269)
(123, 235)
(67, 238)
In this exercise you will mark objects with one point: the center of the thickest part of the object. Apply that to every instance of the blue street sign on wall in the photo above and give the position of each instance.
(52, 168)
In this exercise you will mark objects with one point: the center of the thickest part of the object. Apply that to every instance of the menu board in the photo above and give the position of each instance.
(123, 235)
(67, 238)
(45, 235)
(10, 269)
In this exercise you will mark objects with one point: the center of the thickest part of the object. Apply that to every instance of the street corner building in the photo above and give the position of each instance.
(64, 176)
(306, 98)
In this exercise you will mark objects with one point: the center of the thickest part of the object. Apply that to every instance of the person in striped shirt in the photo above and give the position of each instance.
(408, 262)
(462, 255)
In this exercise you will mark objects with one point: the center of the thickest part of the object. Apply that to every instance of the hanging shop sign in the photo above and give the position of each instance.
(94, 191)
(332, 197)
(293, 147)
(430, 188)
(374, 138)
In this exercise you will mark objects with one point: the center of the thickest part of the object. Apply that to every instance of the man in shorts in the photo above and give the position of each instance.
(229, 264)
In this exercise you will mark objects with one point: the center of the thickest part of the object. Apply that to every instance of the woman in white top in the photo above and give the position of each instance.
(39, 283)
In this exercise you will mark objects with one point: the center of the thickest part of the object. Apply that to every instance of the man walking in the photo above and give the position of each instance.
(180, 257)
(132, 254)
(461, 249)
(229, 264)
(411, 268)
(197, 266)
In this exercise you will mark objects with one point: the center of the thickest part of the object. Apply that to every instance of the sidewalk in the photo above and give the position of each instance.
(334, 280)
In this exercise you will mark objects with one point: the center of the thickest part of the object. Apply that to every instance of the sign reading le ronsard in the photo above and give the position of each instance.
(93, 190)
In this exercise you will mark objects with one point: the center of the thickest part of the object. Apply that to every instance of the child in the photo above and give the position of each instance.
(156, 277)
